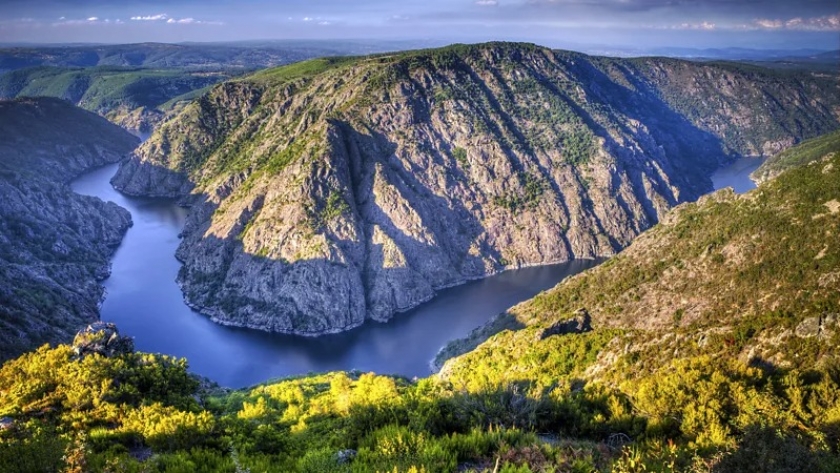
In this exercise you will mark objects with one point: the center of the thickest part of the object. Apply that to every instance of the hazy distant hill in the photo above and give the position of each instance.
(194, 56)
(55, 245)
(134, 98)
(338, 190)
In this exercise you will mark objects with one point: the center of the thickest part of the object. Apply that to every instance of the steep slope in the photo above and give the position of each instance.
(752, 276)
(54, 244)
(339, 190)
(746, 378)
(806, 152)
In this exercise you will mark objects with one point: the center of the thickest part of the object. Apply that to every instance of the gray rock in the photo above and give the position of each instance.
(103, 339)
(351, 199)
(345, 456)
(822, 326)
(580, 323)
(55, 245)
(7, 423)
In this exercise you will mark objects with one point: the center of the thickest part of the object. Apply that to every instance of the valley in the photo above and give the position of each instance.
(336, 191)
(146, 303)
(495, 257)
(55, 244)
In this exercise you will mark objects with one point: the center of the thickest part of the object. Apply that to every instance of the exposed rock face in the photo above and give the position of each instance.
(337, 191)
(54, 244)
(822, 148)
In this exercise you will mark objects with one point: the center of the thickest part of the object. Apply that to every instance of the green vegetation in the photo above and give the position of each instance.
(108, 90)
(301, 70)
(139, 412)
(804, 153)
(526, 197)
(460, 155)
(644, 396)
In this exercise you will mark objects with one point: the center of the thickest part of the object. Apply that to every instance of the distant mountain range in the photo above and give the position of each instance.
(247, 55)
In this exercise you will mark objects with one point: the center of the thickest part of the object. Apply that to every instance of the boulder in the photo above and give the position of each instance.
(102, 338)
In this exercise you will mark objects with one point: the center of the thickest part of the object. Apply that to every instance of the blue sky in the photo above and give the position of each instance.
(621, 23)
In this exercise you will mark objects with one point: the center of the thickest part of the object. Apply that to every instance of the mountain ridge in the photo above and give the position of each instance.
(392, 176)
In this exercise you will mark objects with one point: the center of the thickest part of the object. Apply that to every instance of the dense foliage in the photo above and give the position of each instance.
(138, 412)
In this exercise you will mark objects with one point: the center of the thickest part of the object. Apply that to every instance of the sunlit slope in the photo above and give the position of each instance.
(334, 191)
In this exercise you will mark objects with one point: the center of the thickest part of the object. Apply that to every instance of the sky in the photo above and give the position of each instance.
(767, 24)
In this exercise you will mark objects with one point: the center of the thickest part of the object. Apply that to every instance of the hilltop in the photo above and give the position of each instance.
(340, 190)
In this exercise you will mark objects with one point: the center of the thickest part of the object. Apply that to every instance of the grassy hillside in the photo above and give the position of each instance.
(807, 152)
(745, 383)
(134, 98)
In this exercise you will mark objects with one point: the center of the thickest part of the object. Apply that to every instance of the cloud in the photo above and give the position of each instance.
(91, 20)
(705, 25)
(182, 21)
(487, 3)
(158, 17)
(165, 18)
(822, 23)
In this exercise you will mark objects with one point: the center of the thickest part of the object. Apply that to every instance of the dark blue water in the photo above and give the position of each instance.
(145, 303)
(737, 175)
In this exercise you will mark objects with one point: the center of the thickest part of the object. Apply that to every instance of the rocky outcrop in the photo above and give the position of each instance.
(102, 339)
(338, 191)
(139, 178)
(54, 244)
(581, 322)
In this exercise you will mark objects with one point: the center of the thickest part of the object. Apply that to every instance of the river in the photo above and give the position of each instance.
(146, 303)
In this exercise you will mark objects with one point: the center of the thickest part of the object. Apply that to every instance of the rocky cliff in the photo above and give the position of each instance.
(751, 276)
(339, 190)
(54, 244)
(811, 150)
